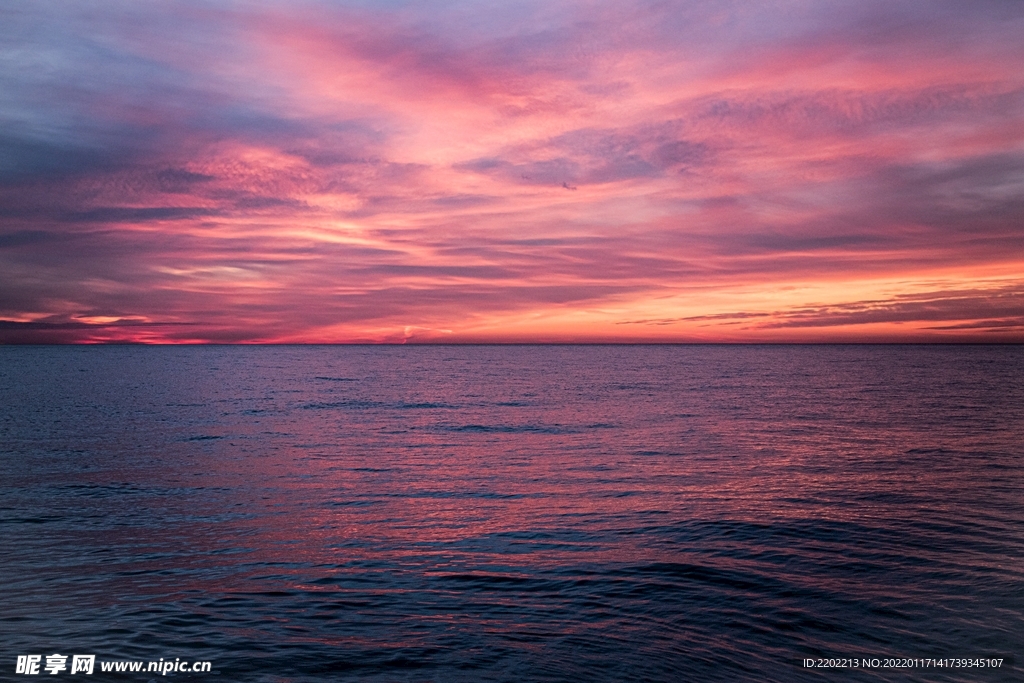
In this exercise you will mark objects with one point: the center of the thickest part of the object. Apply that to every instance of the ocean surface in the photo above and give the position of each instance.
(514, 513)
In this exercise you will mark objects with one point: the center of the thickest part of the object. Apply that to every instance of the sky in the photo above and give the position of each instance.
(484, 171)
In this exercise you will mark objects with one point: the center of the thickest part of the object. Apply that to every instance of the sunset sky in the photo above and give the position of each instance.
(461, 171)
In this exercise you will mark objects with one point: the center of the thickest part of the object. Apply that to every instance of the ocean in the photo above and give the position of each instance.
(513, 513)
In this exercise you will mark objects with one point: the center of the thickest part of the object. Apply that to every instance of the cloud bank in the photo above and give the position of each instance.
(476, 171)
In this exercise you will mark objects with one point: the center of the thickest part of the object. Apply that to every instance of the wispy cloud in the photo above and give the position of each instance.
(997, 309)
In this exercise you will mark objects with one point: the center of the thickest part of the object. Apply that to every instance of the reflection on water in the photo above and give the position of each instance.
(514, 513)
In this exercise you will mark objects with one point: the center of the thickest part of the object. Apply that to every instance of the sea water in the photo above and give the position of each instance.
(515, 513)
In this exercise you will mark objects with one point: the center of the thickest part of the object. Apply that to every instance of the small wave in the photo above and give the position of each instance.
(412, 406)
(352, 403)
(510, 429)
(31, 520)
(352, 503)
(359, 404)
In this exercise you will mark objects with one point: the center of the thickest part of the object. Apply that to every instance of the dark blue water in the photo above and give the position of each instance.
(548, 513)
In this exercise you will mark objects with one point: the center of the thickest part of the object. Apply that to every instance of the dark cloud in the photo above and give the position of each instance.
(589, 155)
(258, 202)
(22, 159)
(1004, 325)
(854, 112)
(1005, 303)
(70, 331)
(804, 243)
(180, 181)
(997, 312)
(120, 214)
(25, 237)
